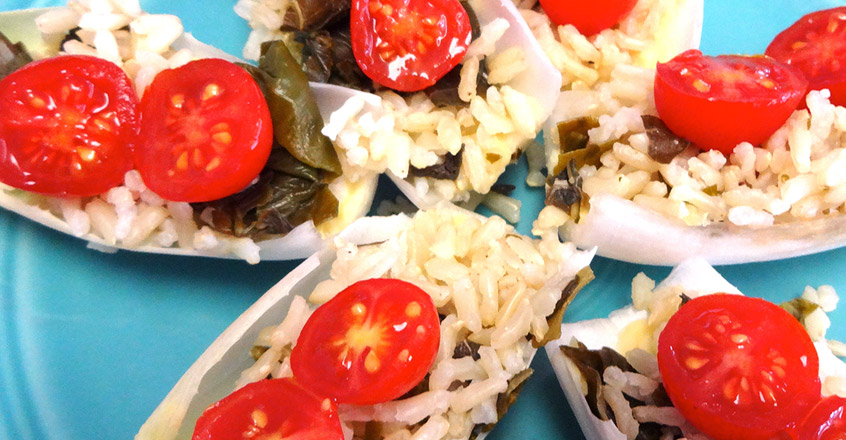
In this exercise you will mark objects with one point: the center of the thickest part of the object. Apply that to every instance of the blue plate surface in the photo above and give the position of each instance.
(91, 342)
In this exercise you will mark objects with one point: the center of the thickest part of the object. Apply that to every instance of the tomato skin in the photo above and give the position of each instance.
(206, 131)
(827, 421)
(408, 45)
(816, 45)
(719, 102)
(373, 342)
(589, 17)
(67, 124)
(270, 407)
(716, 343)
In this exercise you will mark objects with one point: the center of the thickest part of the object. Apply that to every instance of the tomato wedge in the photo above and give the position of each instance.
(589, 17)
(408, 45)
(67, 124)
(373, 342)
(206, 131)
(719, 102)
(827, 421)
(816, 44)
(738, 367)
(270, 409)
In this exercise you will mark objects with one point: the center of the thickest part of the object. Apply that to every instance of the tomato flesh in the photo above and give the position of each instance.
(373, 342)
(589, 17)
(827, 421)
(66, 126)
(816, 44)
(408, 45)
(719, 102)
(738, 367)
(270, 409)
(206, 131)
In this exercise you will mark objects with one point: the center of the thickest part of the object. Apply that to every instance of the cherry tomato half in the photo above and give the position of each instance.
(738, 367)
(206, 131)
(719, 102)
(270, 409)
(408, 45)
(589, 17)
(373, 342)
(816, 44)
(827, 421)
(67, 124)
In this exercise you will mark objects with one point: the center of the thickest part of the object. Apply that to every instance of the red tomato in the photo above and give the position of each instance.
(827, 421)
(816, 44)
(589, 17)
(738, 367)
(373, 342)
(719, 102)
(270, 409)
(408, 45)
(206, 131)
(66, 126)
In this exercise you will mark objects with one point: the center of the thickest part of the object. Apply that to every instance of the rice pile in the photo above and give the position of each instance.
(129, 215)
(492, 287)
(660, 304)
(488, 132)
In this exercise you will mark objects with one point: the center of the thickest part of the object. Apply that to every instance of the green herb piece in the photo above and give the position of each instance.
(296, 117)
(12, 56)
(581, 280)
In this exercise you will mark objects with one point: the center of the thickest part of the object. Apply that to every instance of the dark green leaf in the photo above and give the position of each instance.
(581, 280)
(800, 308)
(296, 117)
(287, 193)
(315, 14)
(12, 56)
(664, 145)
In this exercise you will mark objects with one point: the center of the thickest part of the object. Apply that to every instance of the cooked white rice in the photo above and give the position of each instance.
(494, 287)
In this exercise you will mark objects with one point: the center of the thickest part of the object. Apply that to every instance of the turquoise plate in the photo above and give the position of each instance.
(91, 342)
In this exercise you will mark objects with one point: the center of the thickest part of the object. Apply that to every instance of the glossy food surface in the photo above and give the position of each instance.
(90, 343)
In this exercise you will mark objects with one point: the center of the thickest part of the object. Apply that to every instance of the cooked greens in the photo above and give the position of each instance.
(664, 145)
(293, 109)
(592, 365)
(287, 193)
(13, 56)
(293, 186)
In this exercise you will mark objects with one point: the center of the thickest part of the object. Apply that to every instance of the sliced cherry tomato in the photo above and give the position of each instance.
(738, 367)
(408, 45)
(270, 409)
(589, 17)
(67, 124)
(827, 421)
(816, 44)
(373, 342)
(719, 102)
(206, 131)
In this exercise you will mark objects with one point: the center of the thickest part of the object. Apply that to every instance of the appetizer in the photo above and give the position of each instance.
(464, 87)
(730, 155)
(409, 327)
(693, 358)
(131, 134)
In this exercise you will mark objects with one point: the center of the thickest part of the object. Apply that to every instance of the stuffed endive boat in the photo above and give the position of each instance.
(476, 297)
(274, 205)
(727, 366)
(446, 138)
(687, 153)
